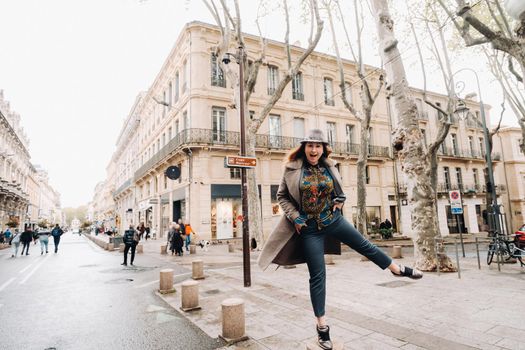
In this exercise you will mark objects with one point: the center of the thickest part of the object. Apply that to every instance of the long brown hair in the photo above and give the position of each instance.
(298, 152)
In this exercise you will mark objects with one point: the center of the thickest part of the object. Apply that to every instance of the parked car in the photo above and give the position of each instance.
(519, 238)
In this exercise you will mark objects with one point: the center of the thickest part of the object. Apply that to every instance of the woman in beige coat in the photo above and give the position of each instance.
(312, 199)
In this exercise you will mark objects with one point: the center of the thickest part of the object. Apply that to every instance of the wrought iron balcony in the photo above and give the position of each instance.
(208, 137)
(216, 81)
(296, 95)
(271, 90)
(464, 153)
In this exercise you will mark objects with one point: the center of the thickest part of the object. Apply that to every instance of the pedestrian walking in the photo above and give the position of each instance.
(312, 199)
(7, 235)
(15, 242)
(177, 241)
(141, 230)
(25, 238)
(43, 237)
(131, 240)
(188, 230)
(147, 230)
(57, 232)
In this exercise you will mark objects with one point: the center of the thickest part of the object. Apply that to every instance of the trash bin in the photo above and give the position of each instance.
(116, 241)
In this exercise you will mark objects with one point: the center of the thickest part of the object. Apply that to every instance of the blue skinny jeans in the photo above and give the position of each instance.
(312, 242)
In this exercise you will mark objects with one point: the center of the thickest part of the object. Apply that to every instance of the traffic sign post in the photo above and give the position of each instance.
(456, 207)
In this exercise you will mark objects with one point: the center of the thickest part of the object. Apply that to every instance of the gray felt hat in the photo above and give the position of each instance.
(315, 135)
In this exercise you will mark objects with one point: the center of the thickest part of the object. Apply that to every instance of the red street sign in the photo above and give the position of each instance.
(240, 162)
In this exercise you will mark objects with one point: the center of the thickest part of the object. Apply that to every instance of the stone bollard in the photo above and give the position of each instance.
(111, 246)
(329, 259)
(197, 272)
(233, 323)
(106, 247)
(193, 249)
(121, 247)
(166, 281)
(163, 249)
(231, 248)
(190, 296)
(396, 252)
(140, 249)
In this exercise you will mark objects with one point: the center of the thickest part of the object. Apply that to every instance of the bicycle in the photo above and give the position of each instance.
(505, 248)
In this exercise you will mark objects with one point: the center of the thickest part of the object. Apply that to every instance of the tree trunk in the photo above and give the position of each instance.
(254, 205)
(432, 156)
(409, 148)
(361, 174)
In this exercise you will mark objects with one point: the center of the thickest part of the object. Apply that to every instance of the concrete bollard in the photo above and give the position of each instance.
(190, 296)
(231, 248)
(197, 270)
(396, 252)
(111, 247)
(140, 249)
(163, 249)
(166, 281)
(329, 259)
(121, 247)
(233, 323)
(193, 249)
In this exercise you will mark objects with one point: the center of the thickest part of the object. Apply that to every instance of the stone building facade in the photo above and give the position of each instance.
(185, 119)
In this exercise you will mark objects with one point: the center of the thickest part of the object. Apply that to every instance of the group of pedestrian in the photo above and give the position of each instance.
(179, 237)
(144, 231)
(29, 235)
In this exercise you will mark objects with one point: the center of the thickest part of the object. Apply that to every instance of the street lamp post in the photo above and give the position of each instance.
(491, 187)
(239, 56)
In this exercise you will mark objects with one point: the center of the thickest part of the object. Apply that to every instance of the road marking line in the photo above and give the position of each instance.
(25, 268)
(147, 284)
(33, 271)
(6, 284)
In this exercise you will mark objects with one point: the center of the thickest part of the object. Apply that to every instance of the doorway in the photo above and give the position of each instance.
(393, 217)
(455, 222)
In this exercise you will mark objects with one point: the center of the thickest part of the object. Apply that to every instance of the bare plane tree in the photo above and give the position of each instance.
(232, 36)
(408, 144)
(368, 98)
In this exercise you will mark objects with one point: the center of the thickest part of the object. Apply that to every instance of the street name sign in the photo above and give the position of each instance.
(456, 206)
(240, 162)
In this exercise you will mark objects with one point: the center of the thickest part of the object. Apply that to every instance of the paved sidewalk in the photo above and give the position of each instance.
(367, 308)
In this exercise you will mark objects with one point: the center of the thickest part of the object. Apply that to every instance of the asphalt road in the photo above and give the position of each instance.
(82, 298)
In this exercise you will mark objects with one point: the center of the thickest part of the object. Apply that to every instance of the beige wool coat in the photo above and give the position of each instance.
(282, 247)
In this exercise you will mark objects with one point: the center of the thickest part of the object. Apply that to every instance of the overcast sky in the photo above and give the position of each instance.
(72, 70)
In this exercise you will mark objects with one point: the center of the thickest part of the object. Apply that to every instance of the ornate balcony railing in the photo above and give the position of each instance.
(296, 95)
(464, 153)
(200, 137)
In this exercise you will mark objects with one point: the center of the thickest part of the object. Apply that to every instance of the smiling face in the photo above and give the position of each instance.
(313, 151)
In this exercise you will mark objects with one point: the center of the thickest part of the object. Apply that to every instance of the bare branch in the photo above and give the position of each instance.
(504, 19)
(495, 18)
(287, 35)
(513, 71)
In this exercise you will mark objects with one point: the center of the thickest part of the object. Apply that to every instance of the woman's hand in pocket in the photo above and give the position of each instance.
(298, 228)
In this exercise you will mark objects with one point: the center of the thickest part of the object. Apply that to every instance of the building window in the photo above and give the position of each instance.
(185, 120)
(328, 92)
(158, 144)
(273, 79)
(454, 144)
(218, 116)
(177, 81)
(424, 135)
(298, 128)
(165, 182)
(176, 127)
(170, 93)
(185, 76)
(367, 174)
(180, 167)
(297, 87)
(471, 145)
(217, 75)
(235, 173)
(475, 175)
(481, 146)
(370, 140)
(275, 130)
(331, 133)
(459, 179)
(446, 174)
(520, 141)
(169, 133)
(163, 139)
(349, 131)
(348, 92)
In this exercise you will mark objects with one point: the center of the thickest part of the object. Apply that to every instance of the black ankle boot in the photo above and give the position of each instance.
(323, 338)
